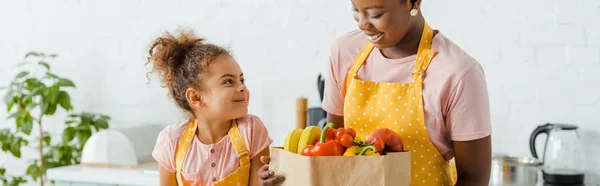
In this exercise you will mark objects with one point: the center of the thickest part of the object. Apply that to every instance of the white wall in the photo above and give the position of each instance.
(541, 57)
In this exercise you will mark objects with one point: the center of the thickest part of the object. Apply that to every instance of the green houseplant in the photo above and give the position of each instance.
(34, 94)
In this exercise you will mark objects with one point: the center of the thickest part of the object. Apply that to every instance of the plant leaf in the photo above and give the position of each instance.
(2, 171)
(101, 123)
(5, 147)
(44, 105)
(83, 134)
(52, 55)
(51, 109)
(8, 97)
(65, 83)
(44, 64)
(11, 104)
(47, 139)
(33, 171)
(65, 100)
(19, 121)
(86, 118)
(15, 149)
(68, 134)
(51, 75)
(22, 74)
(14, 115)
(27, 124)
(53, 93)
(33, 84)
(32, 54)
(104, 117)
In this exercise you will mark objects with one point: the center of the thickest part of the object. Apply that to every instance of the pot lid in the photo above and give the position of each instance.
(512, 160)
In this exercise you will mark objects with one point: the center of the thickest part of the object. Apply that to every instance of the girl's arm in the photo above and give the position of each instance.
(256, 164)
(167, 178)
(473, 161)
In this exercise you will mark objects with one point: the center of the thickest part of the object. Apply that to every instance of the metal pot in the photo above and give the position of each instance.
(514, 171)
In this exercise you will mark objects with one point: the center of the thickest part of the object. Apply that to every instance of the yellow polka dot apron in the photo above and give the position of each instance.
(398, 106)
(238, 177)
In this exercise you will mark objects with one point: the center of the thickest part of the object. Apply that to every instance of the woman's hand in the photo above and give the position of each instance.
(266, 176)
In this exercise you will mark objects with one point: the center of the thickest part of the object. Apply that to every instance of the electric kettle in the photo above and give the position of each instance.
(561, 156)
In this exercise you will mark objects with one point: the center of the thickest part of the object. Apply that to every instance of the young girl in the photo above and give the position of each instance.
(218, 144)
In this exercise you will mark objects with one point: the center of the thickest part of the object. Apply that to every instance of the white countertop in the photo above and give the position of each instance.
(114, 176)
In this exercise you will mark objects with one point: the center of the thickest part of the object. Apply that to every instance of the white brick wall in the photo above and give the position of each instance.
(541, 57)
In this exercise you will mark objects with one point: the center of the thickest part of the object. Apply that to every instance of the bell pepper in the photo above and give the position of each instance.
(352, 151)
(359, 151)
(358, 141)
(369, 151)
(323, 147)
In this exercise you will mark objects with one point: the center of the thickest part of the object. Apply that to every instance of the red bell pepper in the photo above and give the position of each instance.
(325, 148)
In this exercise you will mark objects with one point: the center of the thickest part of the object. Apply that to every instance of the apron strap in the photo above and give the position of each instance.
(182, 148)
(424, 54)
(358, 62)
(238, 143)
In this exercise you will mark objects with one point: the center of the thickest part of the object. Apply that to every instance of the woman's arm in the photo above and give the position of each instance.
(256, 164)
(167, 178)
(473, 161)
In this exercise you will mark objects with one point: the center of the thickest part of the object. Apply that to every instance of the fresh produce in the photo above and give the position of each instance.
(391, 140)
(292, 140)
(310, 136)
(324, 148)
(353, 151)
(311, 141)
(346, 140)
(329, 134)
(370, 151)
(360, 151)
(379, 145)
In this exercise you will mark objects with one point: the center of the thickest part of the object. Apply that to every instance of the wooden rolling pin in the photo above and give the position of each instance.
(301, 112)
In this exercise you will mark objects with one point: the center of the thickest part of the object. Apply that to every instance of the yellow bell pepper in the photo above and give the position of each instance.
(369, 151)
(352, 151)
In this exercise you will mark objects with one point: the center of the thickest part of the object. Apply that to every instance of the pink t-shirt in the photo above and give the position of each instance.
(455, 92)
(197, 166)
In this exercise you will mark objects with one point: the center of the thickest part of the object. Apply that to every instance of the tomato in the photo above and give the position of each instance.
(346, 140)
(339, 133)
(351, 131)
(329, 134)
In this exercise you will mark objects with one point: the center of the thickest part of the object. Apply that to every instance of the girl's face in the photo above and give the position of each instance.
(224, 95)
(384, 22)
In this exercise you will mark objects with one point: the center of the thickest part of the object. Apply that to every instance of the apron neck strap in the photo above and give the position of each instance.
(238, 143)
(424, 54)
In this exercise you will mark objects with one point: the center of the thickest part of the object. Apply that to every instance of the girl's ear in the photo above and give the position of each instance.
(194, 98)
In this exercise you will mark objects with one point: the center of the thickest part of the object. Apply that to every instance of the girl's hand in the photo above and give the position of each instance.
(267, 177)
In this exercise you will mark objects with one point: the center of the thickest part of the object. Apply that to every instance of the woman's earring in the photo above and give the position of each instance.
(414, 12)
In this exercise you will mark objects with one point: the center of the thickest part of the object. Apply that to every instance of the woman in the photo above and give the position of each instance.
(398, 73)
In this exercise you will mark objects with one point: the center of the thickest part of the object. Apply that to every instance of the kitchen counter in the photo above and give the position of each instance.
(76, 174)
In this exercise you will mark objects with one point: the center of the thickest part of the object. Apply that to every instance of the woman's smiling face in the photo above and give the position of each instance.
(384, 22)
